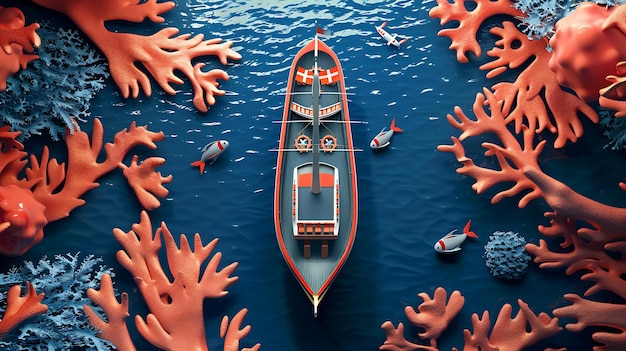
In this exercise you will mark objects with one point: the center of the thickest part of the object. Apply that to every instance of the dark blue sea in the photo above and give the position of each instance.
(409, 193)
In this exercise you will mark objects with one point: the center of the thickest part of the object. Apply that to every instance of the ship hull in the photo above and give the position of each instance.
(316, 230)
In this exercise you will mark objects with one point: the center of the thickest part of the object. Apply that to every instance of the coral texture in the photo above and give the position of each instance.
(22, 220)
(505, 255)
(56, 90)
(176, 319)
(59, 187)
(584, 53)
(14, 39)
(160, 54)
(64, 326)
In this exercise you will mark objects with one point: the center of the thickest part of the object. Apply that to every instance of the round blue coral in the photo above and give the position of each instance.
(506, 256)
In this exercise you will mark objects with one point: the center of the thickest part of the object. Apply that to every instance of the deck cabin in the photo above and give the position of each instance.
(315, 216)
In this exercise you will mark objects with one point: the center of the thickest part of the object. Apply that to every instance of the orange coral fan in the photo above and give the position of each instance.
(160, 54)
(176, 319)
(14, 39)
(21, 308)
(434, 316)
(22, 220)
(585, 51)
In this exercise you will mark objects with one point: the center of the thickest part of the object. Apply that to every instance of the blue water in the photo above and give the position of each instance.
(409, 193)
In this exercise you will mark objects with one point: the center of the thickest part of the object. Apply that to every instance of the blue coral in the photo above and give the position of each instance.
(56, 88)
(541, 15)
(614, 129)
(506, 256)
(65, 281)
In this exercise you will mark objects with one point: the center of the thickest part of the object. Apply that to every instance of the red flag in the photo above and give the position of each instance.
(322, 32)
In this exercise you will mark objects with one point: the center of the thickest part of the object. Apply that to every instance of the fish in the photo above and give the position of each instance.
(391, 39)
(383, 138)
(210, 153)
(452, 241)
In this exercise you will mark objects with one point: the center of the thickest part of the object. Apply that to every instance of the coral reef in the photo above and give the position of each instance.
(160, 54)
(64, 326)
(508, 333)
(176, 319)
(601, 227)
(535, 95)
(589, 228)
(58, 187)
(49, 96)
(22, 220)
(505, 255)
(14, 39)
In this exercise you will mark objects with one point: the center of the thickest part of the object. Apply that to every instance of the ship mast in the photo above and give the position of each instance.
(315, 181)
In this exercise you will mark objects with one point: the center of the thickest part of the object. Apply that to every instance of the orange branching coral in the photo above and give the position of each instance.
(146, 182)
(434, 316)
(510, 150)
(19, 308)
(510, 334)
(114, 329)
(464, 36)
(232, 335)
(589, 257)
(59, 187)
(14, 39)
(176, 319)
(523, 97)
(161, 54)
(596, 314)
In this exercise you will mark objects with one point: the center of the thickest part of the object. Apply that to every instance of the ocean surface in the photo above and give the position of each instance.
(409, 193)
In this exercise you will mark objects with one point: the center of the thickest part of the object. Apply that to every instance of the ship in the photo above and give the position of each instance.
(316, 196)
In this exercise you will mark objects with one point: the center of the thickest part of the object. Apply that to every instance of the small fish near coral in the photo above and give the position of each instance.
(210, 153)
(452, 241)
(390, 39)
(382, 139)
